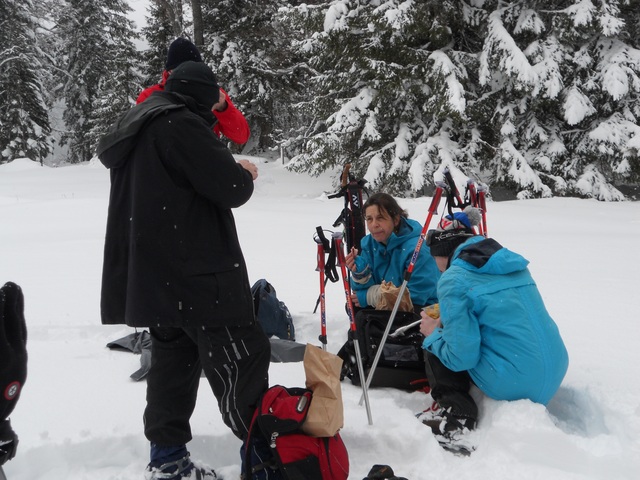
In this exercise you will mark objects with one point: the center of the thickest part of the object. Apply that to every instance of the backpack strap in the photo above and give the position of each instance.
(330, 269)
(280, 410)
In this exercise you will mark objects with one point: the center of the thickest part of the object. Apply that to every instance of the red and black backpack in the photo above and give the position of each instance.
(296, 455)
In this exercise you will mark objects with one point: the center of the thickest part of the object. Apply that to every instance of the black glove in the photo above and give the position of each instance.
(13, 347)
(8, 442)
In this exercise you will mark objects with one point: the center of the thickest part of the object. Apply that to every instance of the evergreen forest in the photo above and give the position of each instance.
(531, 98)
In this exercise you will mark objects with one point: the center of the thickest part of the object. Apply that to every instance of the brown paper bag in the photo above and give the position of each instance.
(326, 415)
(389, 295)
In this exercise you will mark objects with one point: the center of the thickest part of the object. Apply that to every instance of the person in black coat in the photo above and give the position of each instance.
(173, 263)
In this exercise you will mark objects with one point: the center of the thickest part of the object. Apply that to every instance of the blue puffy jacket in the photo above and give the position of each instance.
(495, 325)
(389, 262)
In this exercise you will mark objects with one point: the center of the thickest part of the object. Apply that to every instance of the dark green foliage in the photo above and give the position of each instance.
(249, 49)
(539, 98)
(534, 99)
(159, 34)
(98, 78)
(24, 123)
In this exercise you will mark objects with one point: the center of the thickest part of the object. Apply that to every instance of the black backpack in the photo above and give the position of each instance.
(272, 314)
(401, 364)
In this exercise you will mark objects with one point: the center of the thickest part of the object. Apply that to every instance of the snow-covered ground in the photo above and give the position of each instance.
(80, 415)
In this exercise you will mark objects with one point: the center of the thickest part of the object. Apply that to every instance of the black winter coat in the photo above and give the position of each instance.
(172, 255)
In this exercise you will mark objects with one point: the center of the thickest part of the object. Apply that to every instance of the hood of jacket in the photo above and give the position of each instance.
(485, 255)
(117, 144)
(409, 229)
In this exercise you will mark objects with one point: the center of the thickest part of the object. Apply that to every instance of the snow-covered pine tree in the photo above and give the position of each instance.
(120, 87)
(248, 49)
(165, 22)
(513, 87)
(566, 90)
(390, 91)
(99, 80)
(604, 142)
(24, 122)
(534, 98)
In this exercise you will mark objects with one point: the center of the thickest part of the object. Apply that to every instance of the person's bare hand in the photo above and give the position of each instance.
(249, 167)
(428, 324)
(350, 259)
(221, 106)
(354, 300)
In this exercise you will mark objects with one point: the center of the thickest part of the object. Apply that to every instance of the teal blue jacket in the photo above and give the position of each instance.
(495, 325)
(390, 262)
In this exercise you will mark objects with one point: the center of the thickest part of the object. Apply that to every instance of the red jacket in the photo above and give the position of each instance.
(231, 123)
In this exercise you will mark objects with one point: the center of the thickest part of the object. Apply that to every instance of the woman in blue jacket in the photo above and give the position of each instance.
(386, 253)
(493, 323)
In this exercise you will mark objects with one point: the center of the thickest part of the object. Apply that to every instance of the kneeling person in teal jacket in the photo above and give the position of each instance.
(493, 323)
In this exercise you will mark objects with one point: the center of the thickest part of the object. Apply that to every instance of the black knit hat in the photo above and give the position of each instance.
(452, 232)
(181, 50)
(195, 80)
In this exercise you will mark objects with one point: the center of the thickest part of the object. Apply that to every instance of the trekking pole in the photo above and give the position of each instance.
(315, 309)
(473, 196)
(353, 333)
(435, 201)
(330, 272)
(322, 241)
(482, 203)
(452, 187)
(453, 194)
(473, 199)
(351, 217)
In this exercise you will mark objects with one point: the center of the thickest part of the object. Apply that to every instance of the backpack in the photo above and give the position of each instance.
(401, 364)
(296, 456)
(272, 314)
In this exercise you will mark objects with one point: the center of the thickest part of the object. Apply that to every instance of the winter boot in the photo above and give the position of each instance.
(452, 401)
(181, 469)
(443, 422)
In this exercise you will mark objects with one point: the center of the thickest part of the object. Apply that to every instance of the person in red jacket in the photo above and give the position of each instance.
(230, 121)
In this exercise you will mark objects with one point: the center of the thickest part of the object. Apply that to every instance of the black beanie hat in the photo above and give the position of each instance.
(453, 231)
(195, 80)
(181, 50)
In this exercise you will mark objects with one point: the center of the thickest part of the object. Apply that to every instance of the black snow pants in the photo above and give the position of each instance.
(450, 389)
(235, 361)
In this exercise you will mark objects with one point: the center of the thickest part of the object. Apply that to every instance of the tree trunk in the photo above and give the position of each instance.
(198, 27)
(173, 9)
